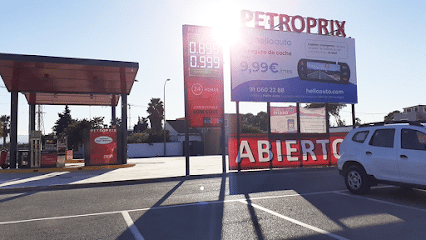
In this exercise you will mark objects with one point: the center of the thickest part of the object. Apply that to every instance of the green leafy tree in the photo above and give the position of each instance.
(63, 122)
(141, 126)
(390, 116)
(357, 121)
(156, 136)
(254, 123)
(250, 129)
(4, 127)
(97, 123)
(156, 113)
(75, 132)
(138, 138)
(117, 123)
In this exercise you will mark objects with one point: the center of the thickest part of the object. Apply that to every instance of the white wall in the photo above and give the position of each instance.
(136, 150)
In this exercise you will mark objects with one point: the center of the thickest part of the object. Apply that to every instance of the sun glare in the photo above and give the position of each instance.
(226, 26)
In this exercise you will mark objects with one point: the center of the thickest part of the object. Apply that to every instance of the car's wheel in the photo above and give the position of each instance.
(356, 180)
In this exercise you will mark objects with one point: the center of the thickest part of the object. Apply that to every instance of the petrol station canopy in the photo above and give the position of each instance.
(67, 81)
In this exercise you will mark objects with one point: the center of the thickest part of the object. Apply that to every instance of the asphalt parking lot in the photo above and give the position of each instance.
(281, 204)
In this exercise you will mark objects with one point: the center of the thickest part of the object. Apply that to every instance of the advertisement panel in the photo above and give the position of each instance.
(284, 150)
(312, 120)
(103, 146)
(203, 77)
(283, 120)
(276, 66)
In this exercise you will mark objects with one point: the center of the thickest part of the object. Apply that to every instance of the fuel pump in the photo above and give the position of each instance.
(35, 149)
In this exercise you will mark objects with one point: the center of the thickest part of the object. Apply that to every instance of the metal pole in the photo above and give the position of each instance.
(353, 116)
(164, 115)
(268, 110)
(238, 134)
(299, 133)
(223, 136)
(113, 116)
(13, 129)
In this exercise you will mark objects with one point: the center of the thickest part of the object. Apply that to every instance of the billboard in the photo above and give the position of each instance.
(203, 77)
(257, 151)
(276, 66)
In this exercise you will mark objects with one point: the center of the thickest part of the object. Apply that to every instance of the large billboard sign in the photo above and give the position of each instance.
(278, 66)
(203, 73)
(291, 150)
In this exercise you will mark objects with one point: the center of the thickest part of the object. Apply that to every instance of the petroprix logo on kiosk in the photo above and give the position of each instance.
(103, 140)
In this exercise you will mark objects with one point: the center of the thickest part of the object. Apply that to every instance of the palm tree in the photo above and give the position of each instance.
(4, 127)
(156, 113)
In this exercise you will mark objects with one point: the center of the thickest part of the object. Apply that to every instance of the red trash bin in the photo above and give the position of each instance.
(3, 158)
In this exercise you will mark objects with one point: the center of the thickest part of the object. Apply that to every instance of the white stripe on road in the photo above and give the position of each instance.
(30, 179)
(381, 201)
(132, 226)
(295, 221)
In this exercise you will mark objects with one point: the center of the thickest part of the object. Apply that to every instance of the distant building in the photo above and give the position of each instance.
(177, 131)
(177, 134)
(415, 113)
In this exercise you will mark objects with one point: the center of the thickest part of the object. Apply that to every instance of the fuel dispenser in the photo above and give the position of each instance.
(61, 146)
(35, 151)
(49, 153)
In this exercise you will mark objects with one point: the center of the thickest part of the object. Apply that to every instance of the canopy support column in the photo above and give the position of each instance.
(124, 128)
(13, 129)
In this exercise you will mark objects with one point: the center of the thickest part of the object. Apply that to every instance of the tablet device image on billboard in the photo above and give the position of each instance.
(323, 71)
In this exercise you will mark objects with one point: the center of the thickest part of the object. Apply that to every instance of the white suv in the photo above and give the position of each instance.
(392, 153)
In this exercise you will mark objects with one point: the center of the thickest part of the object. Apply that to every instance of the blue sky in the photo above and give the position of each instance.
(389, 40)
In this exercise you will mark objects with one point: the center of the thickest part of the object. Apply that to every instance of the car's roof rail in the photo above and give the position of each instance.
(414, 123)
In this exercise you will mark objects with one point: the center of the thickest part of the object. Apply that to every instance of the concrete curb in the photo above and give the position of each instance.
(66, 169)
(103, 184)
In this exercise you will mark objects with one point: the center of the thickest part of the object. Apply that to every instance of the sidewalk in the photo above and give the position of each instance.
(76, 175)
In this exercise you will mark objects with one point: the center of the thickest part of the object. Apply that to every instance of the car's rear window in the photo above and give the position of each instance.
(360, 136)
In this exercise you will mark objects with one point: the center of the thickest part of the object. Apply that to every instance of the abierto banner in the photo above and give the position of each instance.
(276, 66)
(257, 151)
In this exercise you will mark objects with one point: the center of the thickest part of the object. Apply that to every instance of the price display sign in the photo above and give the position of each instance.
(203, 73)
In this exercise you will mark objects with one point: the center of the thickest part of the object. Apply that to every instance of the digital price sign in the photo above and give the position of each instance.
(203, 73)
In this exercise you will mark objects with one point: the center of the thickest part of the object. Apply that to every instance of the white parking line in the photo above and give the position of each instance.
(160, 207)
(36, 178)
(61, 217)
(295, 221)
(381, 201)
(132, 226)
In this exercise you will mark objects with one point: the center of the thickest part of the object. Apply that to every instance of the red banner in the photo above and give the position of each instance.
(284, 150)
(103, 146)
(203, 73)
(49, 159)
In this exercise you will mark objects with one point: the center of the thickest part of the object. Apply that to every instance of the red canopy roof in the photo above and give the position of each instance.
(67, 81)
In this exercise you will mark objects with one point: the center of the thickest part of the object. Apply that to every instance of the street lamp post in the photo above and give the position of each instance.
(164, 115)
